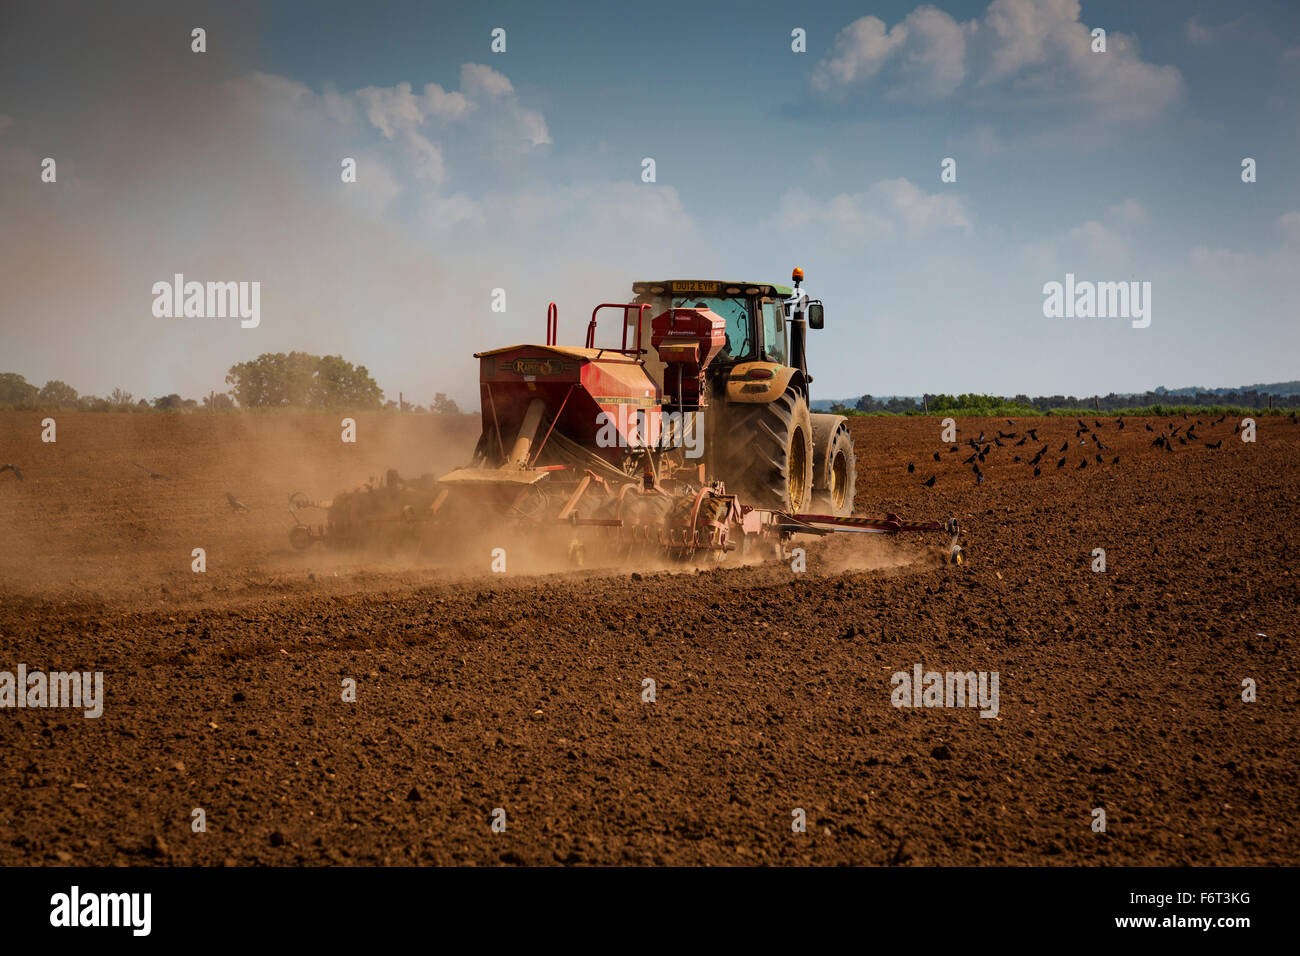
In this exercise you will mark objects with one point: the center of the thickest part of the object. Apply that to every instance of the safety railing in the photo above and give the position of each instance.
(640, 308)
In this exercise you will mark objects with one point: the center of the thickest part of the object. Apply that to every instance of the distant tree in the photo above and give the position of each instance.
(218, 402)
(16, 390)
(273, 380)
(169, 403)
(300, 380)
(119, 398)
(864, 404)
(93, 403)
(340, 384)
(58, 394)
(838, 407)
(442, 405)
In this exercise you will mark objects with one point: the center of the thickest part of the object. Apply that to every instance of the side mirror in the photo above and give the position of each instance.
(816, 318)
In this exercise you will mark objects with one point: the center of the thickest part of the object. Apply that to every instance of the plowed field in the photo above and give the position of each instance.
(1118, 690)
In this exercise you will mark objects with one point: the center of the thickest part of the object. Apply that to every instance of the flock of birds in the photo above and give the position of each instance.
(983, 446)
(235, 503)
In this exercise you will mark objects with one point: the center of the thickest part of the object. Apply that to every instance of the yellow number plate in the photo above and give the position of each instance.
(695, 287)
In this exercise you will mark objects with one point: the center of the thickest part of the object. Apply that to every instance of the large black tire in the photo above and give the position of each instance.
(771, 453)
(835, 466)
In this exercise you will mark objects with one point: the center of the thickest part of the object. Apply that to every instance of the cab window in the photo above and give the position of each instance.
(774, 332)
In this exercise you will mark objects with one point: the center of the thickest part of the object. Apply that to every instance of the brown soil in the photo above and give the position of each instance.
(476, 691)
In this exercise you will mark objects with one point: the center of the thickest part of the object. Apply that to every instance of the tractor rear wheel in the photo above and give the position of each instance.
(772, 453)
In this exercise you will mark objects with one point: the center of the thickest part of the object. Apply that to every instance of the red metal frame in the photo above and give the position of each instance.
(537, 454)
(552, 323)
(641, 309)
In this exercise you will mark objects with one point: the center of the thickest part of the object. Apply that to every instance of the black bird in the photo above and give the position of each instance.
(936, 456)
(1159, 441)
(1115, 460)
(1037, 471)
(1082, 464)
(1216, 445)
(970, 459)
(14, 468)
(1235, 429)
(1097, 423)
(1149, 428)
(1016, 459)
(953, 448)
(1176, 430)
(1033, 433)
(1099, 461)
(1010, 421)
(1182, 440)
(998, 442)
(1065, 446)
(151, 474)
(1169, 447)
(1022, 441)
(1061, 463)
(1037, 458)
(979, 479)
(1121, 424)
(910, 467)
(976, 468)
(235, 502)
(1082, 426)
(929, 482)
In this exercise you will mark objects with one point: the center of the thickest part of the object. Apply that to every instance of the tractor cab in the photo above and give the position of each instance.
(754, 313)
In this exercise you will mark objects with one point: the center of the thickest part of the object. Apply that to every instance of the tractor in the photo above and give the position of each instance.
(691, 437)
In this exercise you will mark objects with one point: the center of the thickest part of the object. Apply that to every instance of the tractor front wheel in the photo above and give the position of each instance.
(835, 466)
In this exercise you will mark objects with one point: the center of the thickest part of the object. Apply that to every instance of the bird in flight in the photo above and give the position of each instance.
(235, 502)
(14, 468)
(151, 474)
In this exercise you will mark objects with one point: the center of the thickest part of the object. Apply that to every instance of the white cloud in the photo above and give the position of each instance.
(1198, 34)
(1218, 262)
(860, 50)
(482, 81)
(1021, 53)
(1289, 223)
(1130, 212)
(485, 94)
(889, 209)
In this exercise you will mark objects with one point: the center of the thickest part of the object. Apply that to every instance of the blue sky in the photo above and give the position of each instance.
(522, 170)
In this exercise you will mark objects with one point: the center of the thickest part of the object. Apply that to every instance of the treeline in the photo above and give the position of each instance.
(975, 404)
(272, 380)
